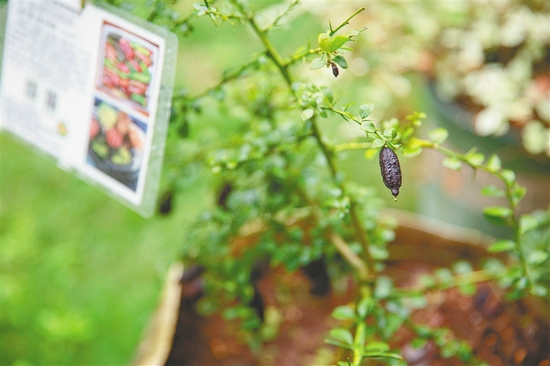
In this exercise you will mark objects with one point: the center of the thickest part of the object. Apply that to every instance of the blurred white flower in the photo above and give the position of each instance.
(491, 121)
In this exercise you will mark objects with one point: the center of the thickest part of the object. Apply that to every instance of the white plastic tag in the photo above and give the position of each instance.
(90, 86)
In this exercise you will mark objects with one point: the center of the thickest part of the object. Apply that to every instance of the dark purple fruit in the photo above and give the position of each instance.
(391, 171)
(335, 70)
(165, 206)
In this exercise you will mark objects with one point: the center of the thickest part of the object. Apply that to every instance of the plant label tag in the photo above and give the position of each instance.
(90, 86)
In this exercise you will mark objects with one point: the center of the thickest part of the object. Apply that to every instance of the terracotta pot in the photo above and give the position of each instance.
(500, 332)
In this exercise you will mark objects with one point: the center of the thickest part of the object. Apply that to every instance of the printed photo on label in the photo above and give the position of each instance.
(126, 67)
(116, 143)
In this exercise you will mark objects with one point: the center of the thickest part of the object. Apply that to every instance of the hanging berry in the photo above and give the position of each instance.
(390, 169)
(335, 70)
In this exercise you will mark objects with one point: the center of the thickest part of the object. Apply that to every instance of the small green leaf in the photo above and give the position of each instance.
(417, 301)
(383, 288)
(439, 135)
(327, 92)
(364, 307)
(426, 280)
(498, 215)
(517, 193)
(502, 246)
(317, 63)
(342, 335)
(324, 42)
(377, 143)
(341, 61)
(452, 163)
(423, 331)
(467, 289)
(527, 222)
(476, 159)
(307, 114)
(337, 42)
(377, 354)
(493, 163)
(390, 133)
(509, 176)
(368, 126)
(462, 267)
(492, 191)
(365, 110)
(411, 151)
(377, 346)
(444, 276)
(539, 290)
(419, 342)
(537, 257)
(343, 312)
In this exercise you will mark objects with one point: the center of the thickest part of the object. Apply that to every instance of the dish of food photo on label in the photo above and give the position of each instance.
(127, 67)
(116, 143)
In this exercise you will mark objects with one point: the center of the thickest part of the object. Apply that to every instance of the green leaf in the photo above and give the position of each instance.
(476, 159)
(493, 163)
(307, 114)
(509, 176)
(368, 126)
(417, 301)
(498, 215)
(537, 257)
(390, 133)
(317, 63)
(527, 222)
(445, 276)
(502, 246)
(517, 192)
(364, 307)
(467, 289)
(337, 42)
(411, 151)
(462, 267)
(383, 288)
(378, 143)
(342, 335)
(365, 110)
(324, 42)
(539, 290)
(419, 342)
(492, 191)
(377, 346)
(327, 92)
(439, 135)
(426, 280)
(452, 163)
(377, 354)
(343, 312)
(341, 61)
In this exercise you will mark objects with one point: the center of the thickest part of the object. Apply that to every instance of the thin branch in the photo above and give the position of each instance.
(346, 22)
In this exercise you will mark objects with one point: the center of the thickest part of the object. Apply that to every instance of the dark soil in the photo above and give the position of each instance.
(500, 332)
(297, 307)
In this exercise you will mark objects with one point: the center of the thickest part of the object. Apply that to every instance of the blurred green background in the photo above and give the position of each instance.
(81, 274)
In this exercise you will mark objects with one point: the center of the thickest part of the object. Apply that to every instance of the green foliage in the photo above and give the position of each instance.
(278, 195)
(281, 177)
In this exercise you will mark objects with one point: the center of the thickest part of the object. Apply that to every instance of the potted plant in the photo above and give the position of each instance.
(285, 210)
(485, 69)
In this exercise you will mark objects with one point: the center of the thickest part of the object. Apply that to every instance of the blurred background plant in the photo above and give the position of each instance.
(64, 265)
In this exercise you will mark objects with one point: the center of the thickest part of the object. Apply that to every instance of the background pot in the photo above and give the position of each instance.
(303, 321)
